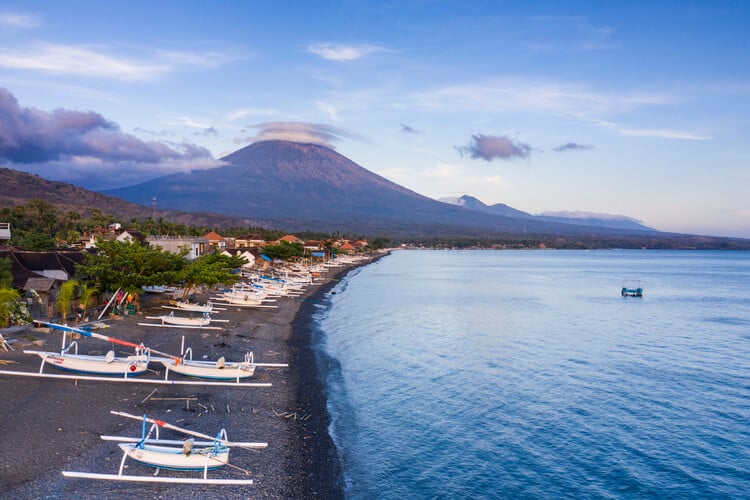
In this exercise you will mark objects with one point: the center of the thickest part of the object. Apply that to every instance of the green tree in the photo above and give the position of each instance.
(6, 277)
(35, 241)
(209, 270)
(65, 296)
(379, 243)
(9, 298)
(131, 266)
(87, 296)
(284, 250)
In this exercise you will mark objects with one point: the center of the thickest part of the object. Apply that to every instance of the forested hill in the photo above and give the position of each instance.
(19, 188)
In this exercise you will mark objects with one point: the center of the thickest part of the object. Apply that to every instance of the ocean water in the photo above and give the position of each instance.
(508, 374)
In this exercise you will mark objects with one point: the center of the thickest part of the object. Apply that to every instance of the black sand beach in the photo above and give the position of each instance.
(47, 426)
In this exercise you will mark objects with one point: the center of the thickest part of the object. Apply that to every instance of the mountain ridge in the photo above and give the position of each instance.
(319, 190)
(313, 187)
(18, 188)
(578, 218)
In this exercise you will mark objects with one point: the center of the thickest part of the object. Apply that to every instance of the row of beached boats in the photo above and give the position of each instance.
(130, 367)
(203, 455)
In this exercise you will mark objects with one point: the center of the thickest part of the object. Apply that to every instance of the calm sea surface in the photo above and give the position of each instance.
(500, 374)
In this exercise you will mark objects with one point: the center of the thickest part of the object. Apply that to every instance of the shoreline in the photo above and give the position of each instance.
(47, 426)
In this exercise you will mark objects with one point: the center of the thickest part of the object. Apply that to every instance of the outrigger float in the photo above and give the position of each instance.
(109, 368)
(178, 455)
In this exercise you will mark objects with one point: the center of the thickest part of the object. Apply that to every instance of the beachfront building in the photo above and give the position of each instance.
(251, 240)
(39, 275)
(113, 232)
(313, 245)
(347, 247)
(289, 238)
(196, 246)
(216, 242)
(251, 255)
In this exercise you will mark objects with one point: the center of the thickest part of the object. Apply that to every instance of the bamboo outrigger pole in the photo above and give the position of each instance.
(87, 333)
(167, 425)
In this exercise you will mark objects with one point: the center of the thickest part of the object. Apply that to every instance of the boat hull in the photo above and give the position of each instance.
(97, 365)
(184, 306)
(171, 458)
(178, 321)
(196, 369)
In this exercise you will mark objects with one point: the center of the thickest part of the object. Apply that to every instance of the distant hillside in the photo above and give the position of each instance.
(18, 188)
(577, 218)
(377, 208)
(497, 209)
(307, 186)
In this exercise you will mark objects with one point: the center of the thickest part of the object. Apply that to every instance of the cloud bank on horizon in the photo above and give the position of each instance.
(86, 149)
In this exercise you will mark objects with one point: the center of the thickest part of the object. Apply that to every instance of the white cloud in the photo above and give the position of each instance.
(577, 214)
(518, 94)
(15, 20)
(435, 181)
(186, 120)
(308, 133)
(246, 112)
(665, 134)
(328, 109)
(576, 102)
(340, 52)
(97, 61)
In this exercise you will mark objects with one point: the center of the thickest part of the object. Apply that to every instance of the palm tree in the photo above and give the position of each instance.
(65, 297)
(8, 296)
(87, 294)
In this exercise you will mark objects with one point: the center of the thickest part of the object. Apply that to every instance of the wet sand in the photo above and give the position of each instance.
(47, 426)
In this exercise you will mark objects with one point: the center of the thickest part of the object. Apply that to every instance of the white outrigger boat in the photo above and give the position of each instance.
(107, 365)
(170, 320)
(109, 368)
(208, 307)
(178, 455)
(214, 370)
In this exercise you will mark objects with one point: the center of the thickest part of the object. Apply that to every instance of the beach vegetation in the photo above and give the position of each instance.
(284, 250)
(10, 306)
(87, 294)
(131, 265)
(6, 277)
(209, 270)
(65, 296)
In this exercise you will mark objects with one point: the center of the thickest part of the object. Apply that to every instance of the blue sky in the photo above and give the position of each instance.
(633, 108)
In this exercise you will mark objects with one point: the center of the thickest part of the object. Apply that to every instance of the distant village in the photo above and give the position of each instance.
(39, 274)
(249, 248)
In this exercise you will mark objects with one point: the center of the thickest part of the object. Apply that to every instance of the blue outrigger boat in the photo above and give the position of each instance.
(632, 292)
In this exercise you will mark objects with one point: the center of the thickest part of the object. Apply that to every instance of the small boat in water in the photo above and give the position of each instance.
(632, 292)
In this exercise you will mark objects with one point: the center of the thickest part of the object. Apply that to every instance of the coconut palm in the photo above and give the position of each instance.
(65, 296)
(8, 296)
(87, 296)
